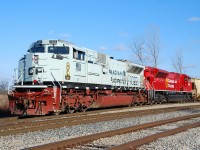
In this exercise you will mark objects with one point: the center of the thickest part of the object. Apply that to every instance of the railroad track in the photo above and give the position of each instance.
(52, 122)
(24, 119)
(137, 143)
(72, 143)
(4, 121)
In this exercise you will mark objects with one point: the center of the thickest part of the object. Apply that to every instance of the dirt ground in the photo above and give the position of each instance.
(4, 105)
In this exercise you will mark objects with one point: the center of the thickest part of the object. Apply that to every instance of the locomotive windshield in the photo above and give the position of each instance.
(36, 50)
(58, 50)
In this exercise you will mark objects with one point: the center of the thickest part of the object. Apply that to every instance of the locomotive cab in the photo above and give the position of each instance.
(41, 59)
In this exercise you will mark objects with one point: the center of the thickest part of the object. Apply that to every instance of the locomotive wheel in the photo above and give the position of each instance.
(158, 99)
(70, 110)
(133, 104)
(83, 108)
(141, 103)
(189, 99)
(136, 104)
(184, 99)
(56, 113)
(152, 102)
(130, 105)
(163, 99)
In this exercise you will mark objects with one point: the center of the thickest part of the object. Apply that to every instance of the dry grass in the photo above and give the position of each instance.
(4, 105)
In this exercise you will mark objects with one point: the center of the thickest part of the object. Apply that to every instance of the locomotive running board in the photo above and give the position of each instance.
(29, 86)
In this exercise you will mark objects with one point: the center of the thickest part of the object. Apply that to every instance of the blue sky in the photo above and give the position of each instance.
(103, 25)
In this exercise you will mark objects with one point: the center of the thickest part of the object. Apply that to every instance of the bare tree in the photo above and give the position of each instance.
(177, 61)
(154, 44)
(3, 87)
(137, 46)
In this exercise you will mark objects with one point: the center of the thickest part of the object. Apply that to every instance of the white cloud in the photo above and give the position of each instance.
(65, 35)
(103, 48)
(121, 47)
(194, 19)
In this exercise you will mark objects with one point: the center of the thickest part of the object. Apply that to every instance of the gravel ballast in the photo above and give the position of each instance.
(189, 140)
(121, 139)
(31, 139)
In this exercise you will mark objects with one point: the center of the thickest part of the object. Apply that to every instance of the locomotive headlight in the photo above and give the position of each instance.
(30, 71)
(53, 42)
(36, 58)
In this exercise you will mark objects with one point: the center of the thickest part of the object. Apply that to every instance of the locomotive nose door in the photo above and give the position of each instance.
(40, 63)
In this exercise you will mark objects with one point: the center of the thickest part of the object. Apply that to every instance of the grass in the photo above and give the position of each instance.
(4, 105)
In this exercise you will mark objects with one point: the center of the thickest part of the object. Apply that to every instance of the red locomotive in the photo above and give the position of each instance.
(166, 86)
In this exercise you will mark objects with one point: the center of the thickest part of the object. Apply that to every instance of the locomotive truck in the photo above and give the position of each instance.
(58, 76)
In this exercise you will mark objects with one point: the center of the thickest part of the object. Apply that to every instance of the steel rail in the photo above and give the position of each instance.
(7, 121)
(137, 143)
(24, 119)
(61, 122)
(70, 143)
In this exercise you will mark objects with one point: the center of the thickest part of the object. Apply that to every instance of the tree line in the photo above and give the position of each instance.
(147, 50)
(3, 87)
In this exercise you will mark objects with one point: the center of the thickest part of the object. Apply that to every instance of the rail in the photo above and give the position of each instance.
(137, 143)
(52, 122)
(71, 143)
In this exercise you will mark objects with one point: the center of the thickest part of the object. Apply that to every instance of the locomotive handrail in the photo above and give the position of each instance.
(53, 78)
(17, 79)
(13, 80)
(30, 86)
(60, 90)
(150, 89)
(21, 76)
(9, 85)
(56, 86)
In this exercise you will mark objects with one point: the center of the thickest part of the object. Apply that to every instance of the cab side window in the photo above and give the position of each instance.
(58, 50)
(79, 55)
